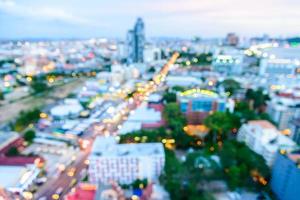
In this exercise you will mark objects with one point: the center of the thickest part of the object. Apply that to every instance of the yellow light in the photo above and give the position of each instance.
(282, 151)
(51, 80)
(43, 115)
(6, 84)
(27, 195)
(198, 91)
(210, 83)
(164, 141)
(55, 196)
(29, 79)
(286, 132)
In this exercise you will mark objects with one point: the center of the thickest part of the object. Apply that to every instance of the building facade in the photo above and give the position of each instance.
(125, 163)
(198, 104)
(136, 42)
(279, 67)
(285, 179)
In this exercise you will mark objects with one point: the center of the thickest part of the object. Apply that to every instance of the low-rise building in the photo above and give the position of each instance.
(198, 104)
(124, 163)
(18, 178)
(285, 179)
(263, 138)
(9, 140)
(228, 64)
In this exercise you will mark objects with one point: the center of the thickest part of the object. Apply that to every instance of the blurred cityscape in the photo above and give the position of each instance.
(145, 118)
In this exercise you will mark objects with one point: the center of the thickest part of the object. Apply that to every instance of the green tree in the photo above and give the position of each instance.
(231, 86)
(29, 135)
(13, 151)
(257, 98)
(151, 69)
(1, 95)
(221, 123)
(178, 88)
(39, 85)
(25, 118)
(169, 97)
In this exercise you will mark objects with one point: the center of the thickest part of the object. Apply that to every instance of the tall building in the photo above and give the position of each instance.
(136, 42)
(263, 138)
(124, 163)
(232, 39)
(285, 179)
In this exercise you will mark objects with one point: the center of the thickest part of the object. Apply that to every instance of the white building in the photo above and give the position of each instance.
(228, 64)
(184, 81)
(70, 109)
(279, 67)
(152, 53)
(18, 179)
(263, 138)
(124, 163)
(284, 106)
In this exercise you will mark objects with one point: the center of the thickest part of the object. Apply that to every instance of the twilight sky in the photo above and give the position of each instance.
(182, 18)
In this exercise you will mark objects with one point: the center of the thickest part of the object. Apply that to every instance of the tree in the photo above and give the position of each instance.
(178, 88)
(1, 95)
(169, 97)
(151, 69)
(220, 123)
(38, 85)
(13, 151)
(258, 98)
(29, 135)
(231, 86)
(25, 118)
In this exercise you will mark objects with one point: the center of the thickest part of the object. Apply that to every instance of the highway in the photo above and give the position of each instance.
(57, 187)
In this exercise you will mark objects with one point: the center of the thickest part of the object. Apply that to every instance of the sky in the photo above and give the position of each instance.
(173, 18)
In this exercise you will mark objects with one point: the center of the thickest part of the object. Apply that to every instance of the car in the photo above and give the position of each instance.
(57, 193)
(41, 181)
(71, 172)
(73, 182)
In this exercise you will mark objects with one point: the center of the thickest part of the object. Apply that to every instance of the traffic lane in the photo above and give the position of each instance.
(63, 180)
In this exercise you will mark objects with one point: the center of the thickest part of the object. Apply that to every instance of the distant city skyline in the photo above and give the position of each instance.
(180, 18)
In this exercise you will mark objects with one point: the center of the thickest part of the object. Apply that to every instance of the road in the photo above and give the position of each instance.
(109, 127)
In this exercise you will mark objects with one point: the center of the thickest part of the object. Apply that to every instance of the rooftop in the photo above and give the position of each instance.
(17, 178)
(7, 137)
(262, 123)
(108, 147)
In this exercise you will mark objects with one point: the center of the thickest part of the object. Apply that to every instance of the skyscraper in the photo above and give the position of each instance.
(136, 42)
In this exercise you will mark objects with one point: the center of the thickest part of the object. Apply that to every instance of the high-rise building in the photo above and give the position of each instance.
(136, 42)
(232, 39)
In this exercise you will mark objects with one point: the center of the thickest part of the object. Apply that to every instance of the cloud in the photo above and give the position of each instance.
(43, 13)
